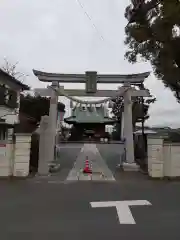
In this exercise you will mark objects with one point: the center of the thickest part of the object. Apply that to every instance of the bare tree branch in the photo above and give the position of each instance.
(11, 69)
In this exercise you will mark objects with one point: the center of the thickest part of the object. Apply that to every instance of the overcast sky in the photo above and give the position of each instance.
(56, 36)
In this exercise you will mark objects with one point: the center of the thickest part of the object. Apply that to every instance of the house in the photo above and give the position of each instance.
(10, 89)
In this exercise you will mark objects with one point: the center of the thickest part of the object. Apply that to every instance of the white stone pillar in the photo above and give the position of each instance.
(48, 128)
(128, 127)
(52, 124)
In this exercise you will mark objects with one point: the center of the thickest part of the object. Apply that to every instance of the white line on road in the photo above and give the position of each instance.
(123, 208)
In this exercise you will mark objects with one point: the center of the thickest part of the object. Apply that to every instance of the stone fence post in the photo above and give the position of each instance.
(155, 156)
(22, 155)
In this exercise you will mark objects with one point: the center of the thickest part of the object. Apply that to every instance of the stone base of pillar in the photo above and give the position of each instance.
(54, 167)
(43, 170)
(130, 167)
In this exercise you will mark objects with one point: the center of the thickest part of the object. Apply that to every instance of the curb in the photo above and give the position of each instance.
(14, 178)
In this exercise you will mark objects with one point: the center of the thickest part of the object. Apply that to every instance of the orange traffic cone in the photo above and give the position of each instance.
(87, 168)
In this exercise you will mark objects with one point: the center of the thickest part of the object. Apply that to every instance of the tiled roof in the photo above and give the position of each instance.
(89, 115)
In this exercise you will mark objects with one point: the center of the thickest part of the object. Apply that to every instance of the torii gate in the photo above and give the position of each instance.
(91, 79)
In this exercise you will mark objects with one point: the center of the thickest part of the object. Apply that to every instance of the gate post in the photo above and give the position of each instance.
(52, 126)
(43, 167)
(128, 127)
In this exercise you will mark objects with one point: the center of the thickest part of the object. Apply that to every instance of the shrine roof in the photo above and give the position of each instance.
(81, 78)
(98, 115)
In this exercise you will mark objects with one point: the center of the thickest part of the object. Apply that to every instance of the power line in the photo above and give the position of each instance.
(90, 19)
(107, 43)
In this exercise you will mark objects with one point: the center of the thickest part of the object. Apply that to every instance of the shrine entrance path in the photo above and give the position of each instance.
(103, 159)
(100, 170)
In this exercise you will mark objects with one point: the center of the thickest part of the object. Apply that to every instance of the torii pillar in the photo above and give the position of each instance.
(52, 122)
(128, 127)
(48, 136)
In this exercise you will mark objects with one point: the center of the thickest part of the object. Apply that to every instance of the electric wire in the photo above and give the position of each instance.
(90, 19)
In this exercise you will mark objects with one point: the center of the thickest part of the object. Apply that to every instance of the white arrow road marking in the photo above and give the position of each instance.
(123, 209)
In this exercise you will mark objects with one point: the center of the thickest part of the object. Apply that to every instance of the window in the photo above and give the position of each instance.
(7, 96)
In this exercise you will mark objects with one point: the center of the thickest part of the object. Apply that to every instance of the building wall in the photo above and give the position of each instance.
(171, 159)
(10, 115)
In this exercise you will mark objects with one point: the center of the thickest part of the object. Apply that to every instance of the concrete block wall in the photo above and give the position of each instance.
(4, 159)
(155, 157)
(163, 158)
(172, 160)
(7, 155)
(22, 155)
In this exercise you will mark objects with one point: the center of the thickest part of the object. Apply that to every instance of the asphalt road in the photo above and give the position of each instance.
(31, 210)
(40, 208)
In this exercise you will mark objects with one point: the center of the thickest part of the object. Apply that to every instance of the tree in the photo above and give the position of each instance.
(36, 107)
(140, 110)
(11, 69)
(153, 34)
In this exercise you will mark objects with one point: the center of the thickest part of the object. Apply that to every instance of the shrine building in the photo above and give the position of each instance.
(89, 122)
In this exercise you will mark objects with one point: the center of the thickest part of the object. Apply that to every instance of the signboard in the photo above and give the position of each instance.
(91, 82)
